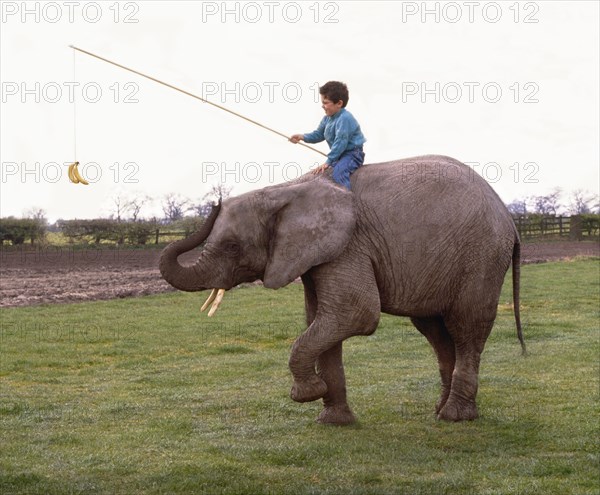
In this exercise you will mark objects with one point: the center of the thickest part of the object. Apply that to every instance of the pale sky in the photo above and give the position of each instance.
(508, 87)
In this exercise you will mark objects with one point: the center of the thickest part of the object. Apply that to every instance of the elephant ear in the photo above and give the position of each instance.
(312, 223)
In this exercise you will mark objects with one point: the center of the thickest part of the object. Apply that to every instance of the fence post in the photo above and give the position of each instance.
(560, 220)
(575, 228)
(156, 241)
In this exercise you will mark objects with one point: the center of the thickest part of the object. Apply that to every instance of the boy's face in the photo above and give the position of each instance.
(330, 107)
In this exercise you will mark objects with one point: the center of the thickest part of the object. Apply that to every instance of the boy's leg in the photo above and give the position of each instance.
(348, 163)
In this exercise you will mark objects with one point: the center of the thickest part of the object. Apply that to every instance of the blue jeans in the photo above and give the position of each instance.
(347, 163)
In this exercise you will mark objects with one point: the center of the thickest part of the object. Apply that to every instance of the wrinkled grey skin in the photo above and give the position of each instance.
(423, 237)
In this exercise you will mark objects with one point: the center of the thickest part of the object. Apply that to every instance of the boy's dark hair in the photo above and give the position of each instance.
(335, 91)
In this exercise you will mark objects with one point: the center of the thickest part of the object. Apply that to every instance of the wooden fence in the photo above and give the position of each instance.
(578, 227)
(169, 236)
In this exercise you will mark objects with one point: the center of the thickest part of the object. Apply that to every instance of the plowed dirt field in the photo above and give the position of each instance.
(30, 276)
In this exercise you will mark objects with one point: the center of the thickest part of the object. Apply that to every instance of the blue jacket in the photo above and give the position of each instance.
(342, 133)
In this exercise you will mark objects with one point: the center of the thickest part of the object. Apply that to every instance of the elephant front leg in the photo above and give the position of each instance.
(323, 335)
(308, 386)
(330, 369)
(343, 310)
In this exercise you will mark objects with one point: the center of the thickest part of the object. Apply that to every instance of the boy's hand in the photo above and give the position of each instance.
(296, 138)
(320, 169)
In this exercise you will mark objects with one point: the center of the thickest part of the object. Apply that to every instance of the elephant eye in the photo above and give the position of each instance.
(231, 249)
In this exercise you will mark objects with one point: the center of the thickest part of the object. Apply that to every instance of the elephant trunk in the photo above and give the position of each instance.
(185, 277)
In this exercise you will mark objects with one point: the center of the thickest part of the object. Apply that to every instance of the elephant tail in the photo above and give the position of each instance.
(516, 277)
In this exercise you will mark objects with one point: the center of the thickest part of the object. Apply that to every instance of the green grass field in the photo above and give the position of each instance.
(147, 395)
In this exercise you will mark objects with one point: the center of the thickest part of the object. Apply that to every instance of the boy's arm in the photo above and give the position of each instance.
(317, 135)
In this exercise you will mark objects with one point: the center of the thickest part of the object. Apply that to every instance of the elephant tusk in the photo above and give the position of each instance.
(217, 302)
(210, 299)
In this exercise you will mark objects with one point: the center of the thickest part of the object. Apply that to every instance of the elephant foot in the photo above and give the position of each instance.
(309, 390)
(441, 402)
(336, 415)
(455, 411)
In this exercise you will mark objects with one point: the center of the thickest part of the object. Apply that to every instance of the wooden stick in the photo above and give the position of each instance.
(190, 94)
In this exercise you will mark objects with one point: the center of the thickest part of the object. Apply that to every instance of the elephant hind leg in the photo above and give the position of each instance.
(438, 336)
(310, 298)
(469, 339)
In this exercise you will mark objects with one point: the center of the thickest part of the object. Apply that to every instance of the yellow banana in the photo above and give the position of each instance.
(78, 175)
(72, 178)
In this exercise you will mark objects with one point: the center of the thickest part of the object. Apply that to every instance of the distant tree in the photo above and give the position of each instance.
(518, 207)
(134, 206)
(583, 202)
(174, 206)
(18, 230)
(548, 204)
(120, 207)
(38, 214)
(218, 191)
(203, 207)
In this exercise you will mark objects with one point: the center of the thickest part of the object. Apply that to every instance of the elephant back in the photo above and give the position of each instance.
(429, 224)
(430, 189)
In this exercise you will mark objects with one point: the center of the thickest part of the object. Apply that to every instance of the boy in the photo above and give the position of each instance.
(341, 131)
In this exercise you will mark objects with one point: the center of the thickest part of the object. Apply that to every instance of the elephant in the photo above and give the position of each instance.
(424, 237)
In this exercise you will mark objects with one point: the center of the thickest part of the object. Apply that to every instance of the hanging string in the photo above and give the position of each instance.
(74, 175)
(74, 111)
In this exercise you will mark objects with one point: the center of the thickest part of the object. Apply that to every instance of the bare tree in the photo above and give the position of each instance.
(203, 207)
(38, 231)
(517, 207)
(174, 206)
(583, 202)
(548, 204)
(135, 204)
(218, 191)
(36, 213)
(120, 207)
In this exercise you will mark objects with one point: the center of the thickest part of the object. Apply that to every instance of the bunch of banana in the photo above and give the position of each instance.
(74, 175)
